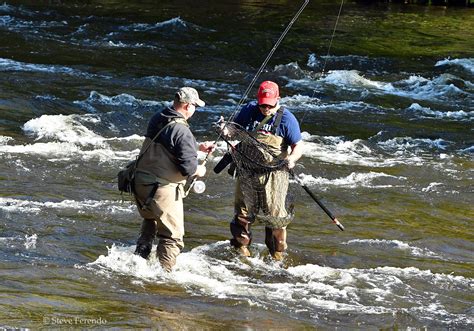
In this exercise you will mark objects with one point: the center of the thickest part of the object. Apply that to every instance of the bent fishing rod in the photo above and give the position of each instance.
(250, 86)
(298, 180)
(244, 97)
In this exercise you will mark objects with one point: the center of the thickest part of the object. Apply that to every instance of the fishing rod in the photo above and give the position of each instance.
(242, 100)
(250, 86)
(315, 198)
(297, 179)
(260, 70)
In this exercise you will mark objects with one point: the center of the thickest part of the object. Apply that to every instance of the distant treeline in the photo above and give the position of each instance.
(427, 2)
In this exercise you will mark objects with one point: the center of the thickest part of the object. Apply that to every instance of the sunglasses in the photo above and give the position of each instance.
(266, 106)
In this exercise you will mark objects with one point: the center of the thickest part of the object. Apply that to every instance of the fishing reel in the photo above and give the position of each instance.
(199, 187)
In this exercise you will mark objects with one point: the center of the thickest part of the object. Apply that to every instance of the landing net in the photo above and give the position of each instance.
(262, 176)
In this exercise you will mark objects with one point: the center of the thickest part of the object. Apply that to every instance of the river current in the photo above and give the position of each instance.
(389, 142)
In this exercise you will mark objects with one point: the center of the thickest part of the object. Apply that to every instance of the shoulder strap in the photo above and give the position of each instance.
(262, 123)
(177, 120)
(180, 120)
(276, 125)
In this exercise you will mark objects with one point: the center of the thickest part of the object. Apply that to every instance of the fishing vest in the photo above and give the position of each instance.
(158, 165)
(270, 138)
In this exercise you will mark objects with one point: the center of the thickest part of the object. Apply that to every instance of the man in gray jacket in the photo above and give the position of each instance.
(162, 171)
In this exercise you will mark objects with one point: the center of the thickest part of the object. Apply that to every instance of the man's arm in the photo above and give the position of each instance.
(293, 137)
(184, 149)
(295, 154)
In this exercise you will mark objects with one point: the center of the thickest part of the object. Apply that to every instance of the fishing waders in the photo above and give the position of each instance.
(147, 235)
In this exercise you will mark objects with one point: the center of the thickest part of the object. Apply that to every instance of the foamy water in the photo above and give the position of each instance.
(213, 270)
(35, 207)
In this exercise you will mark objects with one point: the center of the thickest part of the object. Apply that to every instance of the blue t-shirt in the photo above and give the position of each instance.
(289, 129)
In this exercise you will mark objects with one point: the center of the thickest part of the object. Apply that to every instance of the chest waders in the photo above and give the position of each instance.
(159, 196)
(262, 197)
(272, 187)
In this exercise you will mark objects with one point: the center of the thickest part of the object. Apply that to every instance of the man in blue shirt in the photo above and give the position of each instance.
(278, 129)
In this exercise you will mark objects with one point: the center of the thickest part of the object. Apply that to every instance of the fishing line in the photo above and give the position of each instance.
(332, 37)
(323, 70)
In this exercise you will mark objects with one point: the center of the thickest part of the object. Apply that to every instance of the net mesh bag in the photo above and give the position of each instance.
(262, 176)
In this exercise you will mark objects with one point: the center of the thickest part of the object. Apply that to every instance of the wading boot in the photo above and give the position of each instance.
(277, 256)
(145, 241)
(243, 251)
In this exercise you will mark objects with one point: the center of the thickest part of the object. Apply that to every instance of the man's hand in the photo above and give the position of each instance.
(207, 147)
(200, 171)
(221, 127)
(296, 153)
(290, 162)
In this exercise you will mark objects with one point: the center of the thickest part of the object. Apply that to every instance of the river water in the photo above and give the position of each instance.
(389, 143)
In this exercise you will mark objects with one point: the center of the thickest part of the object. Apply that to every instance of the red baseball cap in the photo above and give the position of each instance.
(268, 93)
